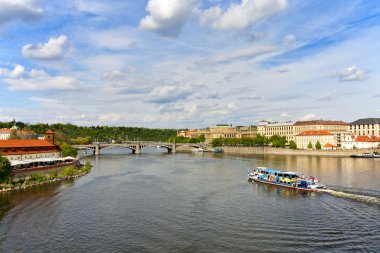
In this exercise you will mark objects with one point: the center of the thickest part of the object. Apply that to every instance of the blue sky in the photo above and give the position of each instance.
(188, 63)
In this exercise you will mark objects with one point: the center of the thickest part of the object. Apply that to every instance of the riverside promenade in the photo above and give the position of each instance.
(287, 151)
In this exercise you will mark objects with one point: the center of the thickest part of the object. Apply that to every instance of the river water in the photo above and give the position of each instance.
(158, 202)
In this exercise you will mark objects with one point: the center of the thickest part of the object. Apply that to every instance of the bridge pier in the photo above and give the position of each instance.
(97, 149)
(138, 149)
(173, 150)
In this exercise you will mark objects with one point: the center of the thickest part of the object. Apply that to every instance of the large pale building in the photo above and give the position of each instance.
(333, 126)
(368, 126)
(269, 129)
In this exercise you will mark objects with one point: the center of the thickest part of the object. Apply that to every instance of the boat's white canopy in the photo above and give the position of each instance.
(41, 160)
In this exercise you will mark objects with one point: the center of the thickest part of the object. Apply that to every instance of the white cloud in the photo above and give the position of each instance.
(169, 93)
(115, 39)
(327, 97)
(243, 15)
(113, 75)
(55, 48)
(167, 17)
(243, 54)
(352, 73)
(285, 115)
(48, 102)
(25, 10)
(17, 72)
(289, 40)
(309, 116)
(20, 80)
(110, 117)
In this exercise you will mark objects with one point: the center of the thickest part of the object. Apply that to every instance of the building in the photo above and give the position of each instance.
(247, 131)
(269, 129)
(368, 126)
(332, 126)
(336, 127)
(220, 131)
(325, 138)
(352, 141)
(188, 133)
(5, 134)
(30, 149)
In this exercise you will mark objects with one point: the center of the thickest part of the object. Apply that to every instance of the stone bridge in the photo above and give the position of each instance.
(136, 147)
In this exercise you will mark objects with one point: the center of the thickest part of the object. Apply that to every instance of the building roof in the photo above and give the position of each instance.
(329, 145)
(5, 131)
(314, 133)
(25, 143)
(366, 138)
(366, 121)
(321, 122)
(49, 132)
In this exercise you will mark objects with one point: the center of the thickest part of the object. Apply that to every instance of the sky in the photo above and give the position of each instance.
(188, 63)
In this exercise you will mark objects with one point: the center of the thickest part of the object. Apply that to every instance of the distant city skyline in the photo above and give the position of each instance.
(188, 63)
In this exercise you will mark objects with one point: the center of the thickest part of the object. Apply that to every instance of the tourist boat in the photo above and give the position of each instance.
(198, 150)
(288, 179)
(367, 155)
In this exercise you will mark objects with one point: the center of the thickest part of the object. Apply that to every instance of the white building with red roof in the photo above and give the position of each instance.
(325, 138)
(360, 142)
(30, 149)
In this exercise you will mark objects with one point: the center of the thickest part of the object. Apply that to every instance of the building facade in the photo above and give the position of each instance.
(368, 126)
(30, 149)
(352, 141)
(269, 129)
(325, 138)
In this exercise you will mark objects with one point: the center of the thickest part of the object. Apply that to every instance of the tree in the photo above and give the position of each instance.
(217, 142)
(14, 135)
(309, 146)
(5, 169)
(278, 141)
(292, 145)
(68, 150)
(202, 138)
(318, 145)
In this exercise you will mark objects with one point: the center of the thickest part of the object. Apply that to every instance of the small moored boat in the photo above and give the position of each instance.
(217, 150)
(288, 179)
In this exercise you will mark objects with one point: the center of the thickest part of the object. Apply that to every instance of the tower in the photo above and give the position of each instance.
(49, 136)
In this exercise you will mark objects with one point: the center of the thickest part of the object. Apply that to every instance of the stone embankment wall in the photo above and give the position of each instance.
(287, 151)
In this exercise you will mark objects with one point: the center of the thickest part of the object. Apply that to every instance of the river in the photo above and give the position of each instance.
(159, 202)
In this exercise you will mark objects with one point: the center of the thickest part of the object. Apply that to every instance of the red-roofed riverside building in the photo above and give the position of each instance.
(30, 149)
(325, 138)
(336, 127)
(360, 142)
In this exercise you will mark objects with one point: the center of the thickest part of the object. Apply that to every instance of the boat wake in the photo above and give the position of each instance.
(357, 197)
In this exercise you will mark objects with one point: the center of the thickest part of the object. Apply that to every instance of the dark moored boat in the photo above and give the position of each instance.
(367, 155)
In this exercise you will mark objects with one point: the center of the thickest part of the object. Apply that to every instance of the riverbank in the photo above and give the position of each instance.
(45, 178)
(287, 151)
